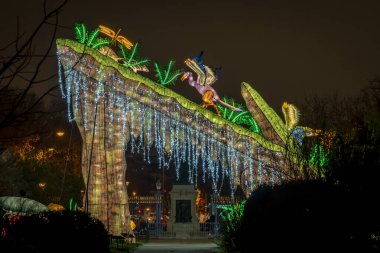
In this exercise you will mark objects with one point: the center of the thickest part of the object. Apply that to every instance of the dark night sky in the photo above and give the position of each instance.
(284, 49)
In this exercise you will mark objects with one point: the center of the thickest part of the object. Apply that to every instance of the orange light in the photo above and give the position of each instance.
(115, 36)
(60, 133)
(184, 76)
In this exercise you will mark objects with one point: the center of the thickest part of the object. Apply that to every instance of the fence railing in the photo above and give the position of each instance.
(160, 230)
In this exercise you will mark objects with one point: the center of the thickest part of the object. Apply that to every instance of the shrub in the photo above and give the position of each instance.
(56, 232)
(307, 216)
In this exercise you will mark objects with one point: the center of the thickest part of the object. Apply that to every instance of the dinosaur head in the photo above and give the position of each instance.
(185, 76)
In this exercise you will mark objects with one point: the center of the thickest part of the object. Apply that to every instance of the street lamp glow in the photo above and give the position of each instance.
(60, 133)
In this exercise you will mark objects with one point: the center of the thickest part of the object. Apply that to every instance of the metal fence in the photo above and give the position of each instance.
(159, 230)
(145, 210)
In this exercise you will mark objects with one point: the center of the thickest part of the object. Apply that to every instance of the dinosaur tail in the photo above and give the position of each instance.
(235, 109)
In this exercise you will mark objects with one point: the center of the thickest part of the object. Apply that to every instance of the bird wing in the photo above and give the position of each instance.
(107, 31)
(210, 76)
(194, 66)
(124, 41)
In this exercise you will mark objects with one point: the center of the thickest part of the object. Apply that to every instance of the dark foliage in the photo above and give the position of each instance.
(308, 216)
(56, 232)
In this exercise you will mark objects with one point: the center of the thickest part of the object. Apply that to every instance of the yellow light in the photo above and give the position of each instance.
(60, 133)
(51, 149)
(148, 209)
(134, 194)
(132, 224)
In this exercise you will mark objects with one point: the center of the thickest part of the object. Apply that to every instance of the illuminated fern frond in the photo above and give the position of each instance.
(240, 118)
(173, 77)
(139, 63)
(254, 127)
(158, 72)
(123, 53)
(92, 37)
(319, 156)
(133, 53)
(130, 59)
(81, 32)
(167, 75)
(99, 42)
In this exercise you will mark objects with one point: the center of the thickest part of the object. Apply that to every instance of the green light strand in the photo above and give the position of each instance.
(92, 36)
(138, 63)
(123, 52)
(168, 71)
(158, 72)
(172, 79)
(239, 118)
(232, 112)
(84, 33)
(99, 42)
(80, 32)
(169, 77)
(232, 214)
(318, 156)
(133, 53)
(239, 115)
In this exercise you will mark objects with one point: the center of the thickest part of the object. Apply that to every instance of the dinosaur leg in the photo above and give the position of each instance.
(207, 99)
(216, 108)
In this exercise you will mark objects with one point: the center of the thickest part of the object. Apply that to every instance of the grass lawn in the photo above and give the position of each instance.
(122, 248)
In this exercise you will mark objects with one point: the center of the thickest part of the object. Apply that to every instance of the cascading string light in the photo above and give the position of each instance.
(168, 126)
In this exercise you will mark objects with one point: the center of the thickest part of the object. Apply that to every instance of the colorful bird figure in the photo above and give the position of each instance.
(205, 78)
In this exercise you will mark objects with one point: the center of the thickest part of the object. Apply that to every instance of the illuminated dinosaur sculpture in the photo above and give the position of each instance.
(116, 109)
(206, 77)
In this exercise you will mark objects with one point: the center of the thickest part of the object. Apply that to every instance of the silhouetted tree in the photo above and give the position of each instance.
(22, 82)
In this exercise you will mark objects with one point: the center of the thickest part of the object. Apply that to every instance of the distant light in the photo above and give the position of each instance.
(60, 133)
(134, 194)
(158, 185)
(51, 149)
(42, 185)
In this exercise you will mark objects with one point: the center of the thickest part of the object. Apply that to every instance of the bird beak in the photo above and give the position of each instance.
(184, 76)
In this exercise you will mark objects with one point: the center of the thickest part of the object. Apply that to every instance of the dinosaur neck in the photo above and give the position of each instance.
(191, 81)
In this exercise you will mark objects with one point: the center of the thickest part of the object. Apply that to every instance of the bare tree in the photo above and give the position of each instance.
(23, 83)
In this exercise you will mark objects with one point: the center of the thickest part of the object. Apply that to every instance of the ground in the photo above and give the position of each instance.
(183, 246)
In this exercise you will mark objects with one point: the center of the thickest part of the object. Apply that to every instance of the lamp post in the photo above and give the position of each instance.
(158, 205)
